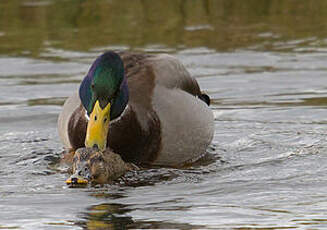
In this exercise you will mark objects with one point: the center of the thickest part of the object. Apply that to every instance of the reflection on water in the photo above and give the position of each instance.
(263, 63)
(113, 216)
(108, 216)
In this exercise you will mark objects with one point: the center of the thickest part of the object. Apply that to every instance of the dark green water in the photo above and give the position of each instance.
(262, 62)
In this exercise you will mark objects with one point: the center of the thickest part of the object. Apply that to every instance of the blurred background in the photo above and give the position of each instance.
(33, 28)
(263, 63)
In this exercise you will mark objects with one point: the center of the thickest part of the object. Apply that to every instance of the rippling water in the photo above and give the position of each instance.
(262, 62)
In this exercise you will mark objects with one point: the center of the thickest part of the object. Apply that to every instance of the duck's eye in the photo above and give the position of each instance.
(95, 176)
(105, 120)
(95, 118)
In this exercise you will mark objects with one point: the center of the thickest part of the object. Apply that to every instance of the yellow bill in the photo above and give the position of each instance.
(79, 181)
(98, 126)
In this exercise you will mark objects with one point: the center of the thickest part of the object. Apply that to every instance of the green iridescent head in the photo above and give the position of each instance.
(104, 94)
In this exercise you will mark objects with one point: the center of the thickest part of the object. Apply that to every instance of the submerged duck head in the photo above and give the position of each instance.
(104, 95)
(93, 166)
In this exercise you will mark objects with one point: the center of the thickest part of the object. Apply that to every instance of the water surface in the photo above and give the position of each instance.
(263, 63)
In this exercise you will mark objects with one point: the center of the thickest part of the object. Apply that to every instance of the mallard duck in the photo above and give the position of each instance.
(97, 167)
(146, 108)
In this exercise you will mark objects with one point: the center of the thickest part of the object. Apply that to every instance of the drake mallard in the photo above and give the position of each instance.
(146, 108)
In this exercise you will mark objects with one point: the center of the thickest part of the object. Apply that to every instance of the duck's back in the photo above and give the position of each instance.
(178, 126)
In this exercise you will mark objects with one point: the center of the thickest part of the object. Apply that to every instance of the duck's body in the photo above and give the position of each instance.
(165, 121)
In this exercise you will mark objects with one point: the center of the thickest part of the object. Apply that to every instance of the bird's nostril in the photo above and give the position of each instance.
(95, 146)
(74, 180)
